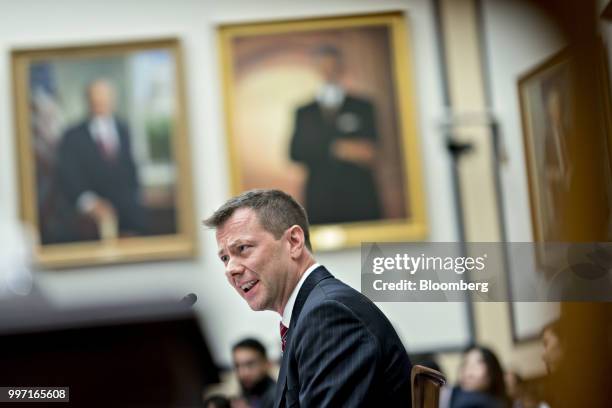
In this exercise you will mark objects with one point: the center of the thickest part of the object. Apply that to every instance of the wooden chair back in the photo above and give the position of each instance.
(426, 384)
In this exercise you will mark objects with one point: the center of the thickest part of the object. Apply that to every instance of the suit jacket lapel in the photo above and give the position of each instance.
(279, 400)
(313, 279)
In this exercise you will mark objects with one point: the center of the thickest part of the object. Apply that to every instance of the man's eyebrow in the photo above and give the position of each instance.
(234, 244)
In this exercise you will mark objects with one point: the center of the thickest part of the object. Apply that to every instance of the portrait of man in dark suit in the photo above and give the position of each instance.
(339, 349)
(102, 144)
(323, 109)
(335, 137)
(96, 173)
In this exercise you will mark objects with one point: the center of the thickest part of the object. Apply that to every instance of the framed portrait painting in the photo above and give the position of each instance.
(547, 114)
(324, 109)
(104, 169)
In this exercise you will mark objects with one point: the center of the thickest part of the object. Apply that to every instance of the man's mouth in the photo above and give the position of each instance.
(246, 287)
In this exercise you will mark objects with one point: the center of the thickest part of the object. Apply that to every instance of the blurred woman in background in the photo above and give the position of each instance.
(481, 381)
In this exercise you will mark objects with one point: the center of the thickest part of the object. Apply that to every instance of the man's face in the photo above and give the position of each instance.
(257, 265)
(329, 67)
(251, 367)
(553, 352)
(101, 98)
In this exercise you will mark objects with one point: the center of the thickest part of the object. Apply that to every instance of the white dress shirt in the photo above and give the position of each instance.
(286, 320)
(103, 129)
(330, 96)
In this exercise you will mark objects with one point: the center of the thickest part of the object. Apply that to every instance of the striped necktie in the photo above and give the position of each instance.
(283, 333)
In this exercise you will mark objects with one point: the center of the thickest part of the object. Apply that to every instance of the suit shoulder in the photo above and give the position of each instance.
(79, 127)
(329, 312)
(333, 290)
(338, 290)
(335, 294)
(358, 102)
(74, 132)
(308, 107)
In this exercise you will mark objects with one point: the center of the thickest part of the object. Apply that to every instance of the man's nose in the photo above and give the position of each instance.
(233, 268)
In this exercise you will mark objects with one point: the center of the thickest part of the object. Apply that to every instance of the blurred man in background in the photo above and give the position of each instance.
(252, 367)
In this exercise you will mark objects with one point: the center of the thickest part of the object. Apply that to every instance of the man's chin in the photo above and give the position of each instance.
(256, 307)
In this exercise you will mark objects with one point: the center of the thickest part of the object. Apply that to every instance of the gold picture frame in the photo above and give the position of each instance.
(275, 85)
(102, 147)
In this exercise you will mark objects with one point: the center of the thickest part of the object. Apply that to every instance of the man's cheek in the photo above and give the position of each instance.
(250, 265)
(231, 283)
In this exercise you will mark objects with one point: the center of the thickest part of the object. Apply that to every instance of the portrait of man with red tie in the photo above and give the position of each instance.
(96, 173)
(104, 158)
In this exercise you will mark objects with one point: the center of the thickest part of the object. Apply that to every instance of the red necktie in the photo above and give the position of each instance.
(283, 333)
(109, 151)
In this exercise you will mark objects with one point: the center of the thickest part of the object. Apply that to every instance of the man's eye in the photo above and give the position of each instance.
(224, 258)
(242, 247)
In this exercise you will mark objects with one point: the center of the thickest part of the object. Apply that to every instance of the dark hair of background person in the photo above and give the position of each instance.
(277, 211)
(217, 401)
(253, 344)
(497, 386)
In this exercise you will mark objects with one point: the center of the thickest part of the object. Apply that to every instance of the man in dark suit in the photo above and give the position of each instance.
(335, 137)
(339, 348)
(96, 173)
(252, 366)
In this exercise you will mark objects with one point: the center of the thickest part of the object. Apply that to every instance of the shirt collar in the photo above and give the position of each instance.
(286, 320)
(102, 125)
(330, 95)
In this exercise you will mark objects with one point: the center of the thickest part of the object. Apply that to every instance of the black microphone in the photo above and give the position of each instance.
(189, 300)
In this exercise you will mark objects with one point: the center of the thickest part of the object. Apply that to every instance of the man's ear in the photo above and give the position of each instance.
(295, 236)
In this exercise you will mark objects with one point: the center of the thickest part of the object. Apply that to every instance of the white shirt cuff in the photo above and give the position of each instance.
(86, 201)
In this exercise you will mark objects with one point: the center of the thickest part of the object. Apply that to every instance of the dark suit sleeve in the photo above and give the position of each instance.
(129, 159)
(336, 357)
(370, 129)
(307, 144)
(70, 177)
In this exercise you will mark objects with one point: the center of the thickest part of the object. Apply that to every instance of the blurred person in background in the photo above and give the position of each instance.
(335, 137)
(252, 369)
(552, 346)
(552, 355)
(96, 172)
(481, 381)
